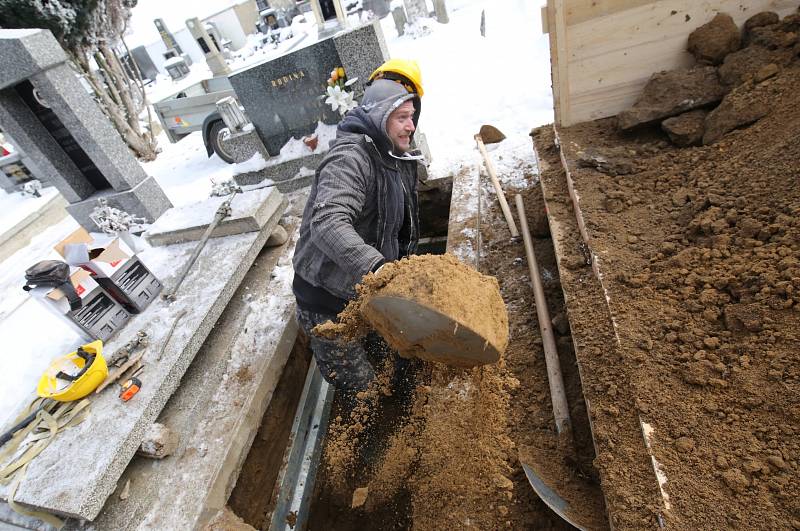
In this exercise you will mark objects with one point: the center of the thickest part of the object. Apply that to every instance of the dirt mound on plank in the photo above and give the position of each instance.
(707, 302)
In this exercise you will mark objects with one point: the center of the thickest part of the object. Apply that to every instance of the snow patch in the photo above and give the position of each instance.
(254, 163)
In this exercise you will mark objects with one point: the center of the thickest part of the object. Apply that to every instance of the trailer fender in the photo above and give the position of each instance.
(207, 124)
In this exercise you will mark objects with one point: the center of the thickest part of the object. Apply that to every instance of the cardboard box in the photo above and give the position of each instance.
(115, 266)
(100, 258)
(100, 315)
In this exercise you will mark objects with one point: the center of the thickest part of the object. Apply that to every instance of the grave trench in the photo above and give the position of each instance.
(253, 499)
(253, 496)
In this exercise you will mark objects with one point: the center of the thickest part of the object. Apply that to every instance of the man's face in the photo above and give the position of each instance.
(400, 126)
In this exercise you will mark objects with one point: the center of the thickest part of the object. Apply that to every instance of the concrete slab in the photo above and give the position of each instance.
(257, 331)
(77, 473)
(288, 175)
(250, 211)
(240, 368)
(464, 225)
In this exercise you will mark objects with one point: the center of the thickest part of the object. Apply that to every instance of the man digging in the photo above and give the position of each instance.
(361, 213)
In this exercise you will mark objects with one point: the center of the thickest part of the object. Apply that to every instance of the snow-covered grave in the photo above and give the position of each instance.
(92, 455)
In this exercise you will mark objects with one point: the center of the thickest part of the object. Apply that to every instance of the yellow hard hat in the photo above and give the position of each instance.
(75, 375)
(404, 71)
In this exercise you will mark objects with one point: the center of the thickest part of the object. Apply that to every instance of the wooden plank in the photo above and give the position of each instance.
(582, 10)
(559, 57)
(611, 57)
(554, 60)
(652, 24)
(543, 15)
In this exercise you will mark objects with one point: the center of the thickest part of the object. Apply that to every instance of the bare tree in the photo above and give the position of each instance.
(89, 31)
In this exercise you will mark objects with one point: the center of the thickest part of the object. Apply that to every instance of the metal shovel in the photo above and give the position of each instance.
(428, 333)
(489, 134)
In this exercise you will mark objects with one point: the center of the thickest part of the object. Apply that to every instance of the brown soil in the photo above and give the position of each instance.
(250, 499)
(700, 253)
(453, 459)
(436, 284)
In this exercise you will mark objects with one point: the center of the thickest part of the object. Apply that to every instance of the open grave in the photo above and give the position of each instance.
(668, 248)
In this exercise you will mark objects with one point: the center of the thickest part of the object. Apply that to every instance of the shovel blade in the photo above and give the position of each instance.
(551, 498)
(415, 328)
(490, 134)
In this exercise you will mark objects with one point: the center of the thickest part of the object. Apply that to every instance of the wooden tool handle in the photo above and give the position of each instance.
(499, 191)
(554, 377)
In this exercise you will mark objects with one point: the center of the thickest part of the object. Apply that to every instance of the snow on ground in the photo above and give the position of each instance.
(502, 79)
(184, 170)
(16, 206)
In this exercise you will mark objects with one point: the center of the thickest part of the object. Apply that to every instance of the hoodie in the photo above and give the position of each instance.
(362, 208)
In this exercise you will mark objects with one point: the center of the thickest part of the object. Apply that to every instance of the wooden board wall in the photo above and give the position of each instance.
(602, 52)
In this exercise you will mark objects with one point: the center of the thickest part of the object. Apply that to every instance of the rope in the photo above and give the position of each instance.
(29, 442)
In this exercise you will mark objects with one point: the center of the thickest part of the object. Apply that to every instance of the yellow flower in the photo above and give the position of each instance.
(340, 71)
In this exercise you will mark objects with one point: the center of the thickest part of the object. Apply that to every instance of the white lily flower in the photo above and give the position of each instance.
(340, 100)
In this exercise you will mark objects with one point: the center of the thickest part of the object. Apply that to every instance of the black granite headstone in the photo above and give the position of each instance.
(285, 97)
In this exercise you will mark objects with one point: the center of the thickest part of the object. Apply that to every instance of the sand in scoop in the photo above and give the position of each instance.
(431, 307)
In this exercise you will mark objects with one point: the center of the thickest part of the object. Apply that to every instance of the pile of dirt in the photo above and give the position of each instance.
(699, 249)
(436, 284)
(725, 75)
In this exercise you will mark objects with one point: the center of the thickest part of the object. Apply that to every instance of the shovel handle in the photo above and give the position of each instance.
(554, 377)
(498, 190)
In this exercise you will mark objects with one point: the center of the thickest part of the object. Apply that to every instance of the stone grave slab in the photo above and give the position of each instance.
(250, 212)
(77, 473)
(218, 429)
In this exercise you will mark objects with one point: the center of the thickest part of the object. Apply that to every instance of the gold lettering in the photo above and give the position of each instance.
(283, 80)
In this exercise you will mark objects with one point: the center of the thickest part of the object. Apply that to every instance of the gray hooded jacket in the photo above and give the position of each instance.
(362, 209)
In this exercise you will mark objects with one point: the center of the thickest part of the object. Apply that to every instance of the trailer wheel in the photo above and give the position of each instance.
(218, 129)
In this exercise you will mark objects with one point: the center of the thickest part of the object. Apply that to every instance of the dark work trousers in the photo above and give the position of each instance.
(343, 365)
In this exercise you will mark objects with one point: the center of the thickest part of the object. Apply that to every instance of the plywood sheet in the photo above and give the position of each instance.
(612, 47)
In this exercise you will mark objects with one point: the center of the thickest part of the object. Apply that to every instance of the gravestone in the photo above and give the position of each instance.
(144, 62)
(284, 97)
(210, 45)
(440, 9)
(379, 7)
(61, 129)
(399, 17)
(167, 37)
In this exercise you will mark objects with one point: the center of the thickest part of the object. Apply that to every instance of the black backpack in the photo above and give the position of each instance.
(52, 274)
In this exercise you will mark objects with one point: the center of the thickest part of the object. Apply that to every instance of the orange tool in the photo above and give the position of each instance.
(129, 388)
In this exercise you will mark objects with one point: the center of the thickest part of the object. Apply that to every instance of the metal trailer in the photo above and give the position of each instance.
(194, 108)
